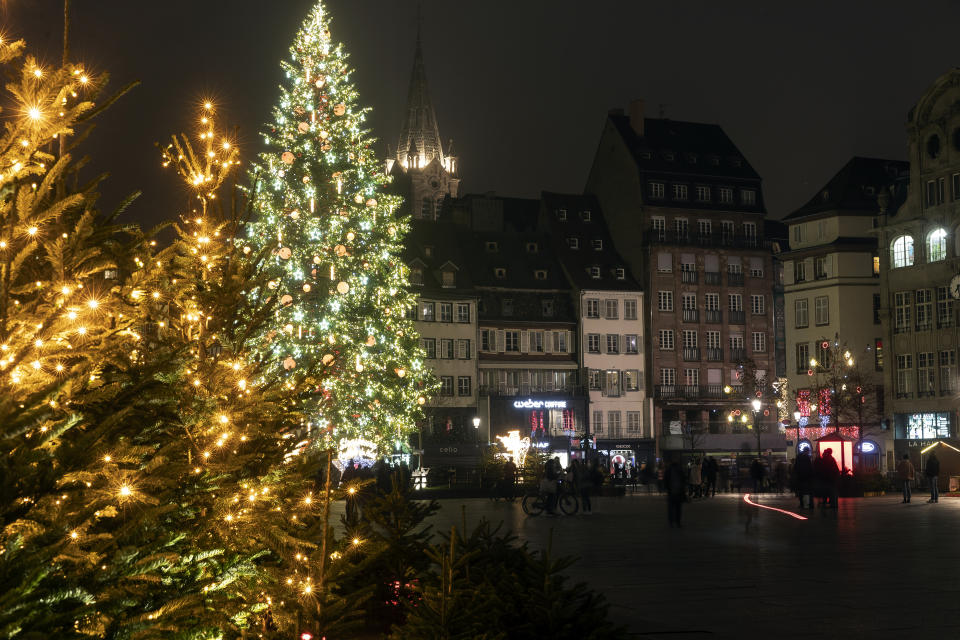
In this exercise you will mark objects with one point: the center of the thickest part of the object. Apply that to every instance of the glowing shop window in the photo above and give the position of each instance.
(925, 426)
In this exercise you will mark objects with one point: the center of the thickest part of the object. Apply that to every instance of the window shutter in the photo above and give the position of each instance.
(502, 377)
(711, 263)
(548, 341)
(524, 341)
(756, 263)
(570, 348)
(828, 266)
(501, 341)
(664, 261)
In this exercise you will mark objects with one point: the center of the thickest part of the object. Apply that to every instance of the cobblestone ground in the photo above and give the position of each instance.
(875, 568)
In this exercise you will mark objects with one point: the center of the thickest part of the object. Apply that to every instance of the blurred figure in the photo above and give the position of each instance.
(694, 478)
(756, 474)
(905, 473)
(710, 477)
(830, 471)
(803, 470)
(932, 471)
(675, 484)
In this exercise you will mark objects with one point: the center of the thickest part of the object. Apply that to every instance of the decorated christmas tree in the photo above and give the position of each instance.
(336, 242)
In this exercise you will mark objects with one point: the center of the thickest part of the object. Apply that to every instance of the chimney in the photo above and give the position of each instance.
(636, 116)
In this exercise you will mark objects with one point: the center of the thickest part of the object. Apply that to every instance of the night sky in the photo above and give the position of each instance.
(521, 87)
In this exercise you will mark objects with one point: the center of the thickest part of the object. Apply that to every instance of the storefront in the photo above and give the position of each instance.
(916, 431)
(552, 422)
(626, 452)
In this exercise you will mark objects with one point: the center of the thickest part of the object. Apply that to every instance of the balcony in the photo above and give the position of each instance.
(695, 392)
(714, 354)
(691, 354)
(714, 316)
(691, 315)
(684, 237)
(734, 279)
(738, 354)
(688, 277)
(737, 317)
(711, 277)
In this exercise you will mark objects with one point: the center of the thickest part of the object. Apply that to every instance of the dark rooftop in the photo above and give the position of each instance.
(854, 189)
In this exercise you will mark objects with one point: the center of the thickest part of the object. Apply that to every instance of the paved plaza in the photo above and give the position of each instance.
(875, 568)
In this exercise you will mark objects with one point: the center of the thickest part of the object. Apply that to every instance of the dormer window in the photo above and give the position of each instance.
(597, 244)
(586, 216)
(532, 247)
(573, 243)
(691, 158)
(561, 214)
(507, 306)
(540, 274)
(500, 273)
(715, 161)
(416, 276)
(620, 273)
(646, 155)
(668, 156)
(491, 246)
(448, 278)
(737, 162)
(428, 252)
(547, 307)
(594, 273)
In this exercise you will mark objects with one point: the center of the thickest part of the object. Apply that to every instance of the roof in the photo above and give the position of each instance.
(578, 262)
(434, 246)
(419, 133)
(854, 189)
(695, 147)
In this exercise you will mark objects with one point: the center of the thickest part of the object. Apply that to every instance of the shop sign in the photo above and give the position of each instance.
(530, 403)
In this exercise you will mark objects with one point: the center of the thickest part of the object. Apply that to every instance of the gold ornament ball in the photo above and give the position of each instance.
(306, 179)
(287, 157)
(400, 371)
(372, 202)
(358, 198)
(350, 236)
(371, 341)
(320, 82)
(421, 400)
(340, 250)
(324, 135)
(289, 363)
(285, 253)
(316, 259)
(286, 299)
(303, 127)
(339, 109)
(343, 287)
(392, 231)
(327, 359)
(306, 287)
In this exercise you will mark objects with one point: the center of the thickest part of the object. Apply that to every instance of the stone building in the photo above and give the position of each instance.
(610, 308)
(832, 295)
(686, 211)
(919, 262)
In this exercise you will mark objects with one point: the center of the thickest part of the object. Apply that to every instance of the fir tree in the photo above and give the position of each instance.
(336, 241)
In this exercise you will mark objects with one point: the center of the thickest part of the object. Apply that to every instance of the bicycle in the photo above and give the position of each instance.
(535, 502)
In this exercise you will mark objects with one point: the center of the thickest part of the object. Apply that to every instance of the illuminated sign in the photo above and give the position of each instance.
(867, 447)
(530, 403)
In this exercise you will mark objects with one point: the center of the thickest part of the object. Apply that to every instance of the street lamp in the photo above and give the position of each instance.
(755, 403)
(796, 421)
(476, 428)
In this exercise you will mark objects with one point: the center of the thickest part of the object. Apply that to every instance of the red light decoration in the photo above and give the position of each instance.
(809, 372)
(825, 345)
(746, 498)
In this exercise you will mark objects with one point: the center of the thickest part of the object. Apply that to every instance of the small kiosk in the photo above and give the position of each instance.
(842, 450)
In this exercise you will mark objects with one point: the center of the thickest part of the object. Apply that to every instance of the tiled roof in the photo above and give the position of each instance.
(854, 189)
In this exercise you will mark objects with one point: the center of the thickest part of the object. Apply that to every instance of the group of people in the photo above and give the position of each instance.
(817, 478)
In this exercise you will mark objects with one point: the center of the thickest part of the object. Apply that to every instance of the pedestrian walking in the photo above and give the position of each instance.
(932, 471)
(710, 464)
(675, 483)
(551, 474)
(694, 478)
(905, 474)
(803, 469)
(831, 477)
(756, 473)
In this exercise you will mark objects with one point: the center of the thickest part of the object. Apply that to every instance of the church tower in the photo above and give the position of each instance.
(431, 174)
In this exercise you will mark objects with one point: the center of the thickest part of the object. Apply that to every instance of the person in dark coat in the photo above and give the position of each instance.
(830, 477)
(675, 484)
(756, 472)
(803, 469)
(710, 476)
(932, 471)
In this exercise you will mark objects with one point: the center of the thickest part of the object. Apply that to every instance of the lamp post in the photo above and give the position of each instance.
(476, 428)
(755, 405)
(796, 421)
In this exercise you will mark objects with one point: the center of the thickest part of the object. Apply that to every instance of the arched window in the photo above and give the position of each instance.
(937, 245)
(901, 252)
(426, 210)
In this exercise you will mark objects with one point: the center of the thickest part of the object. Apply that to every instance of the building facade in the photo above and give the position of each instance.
(686, 211)
(832, 299)
(919, 260)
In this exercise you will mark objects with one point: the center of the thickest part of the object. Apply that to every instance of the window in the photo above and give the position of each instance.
(756, 267)
(801, 313)
(446, 312)
(823, 354)
(736, 341)
(613, 421)
(611, 309)
(630, 344)
(613, 343)
(821, 306)
(713, 339)
(598, 415)
(948, 364)
(540, 274)
(559, 341)
(488, 340)
(611, 384)
(546, 307)
(500, 273)
(463, 385)
(925, 380)
(803, 357)
(620, 273)
(536, 342)
(682, 227)
(688, 301)
(665, 300)
(491, 246)
(735, 302)
(937, 245)
(689, 339)
(734, 266)
(750, 232)
(631, 379)
(902, 304)
(463, 349)
(666, 339)
(448, 279)
(429, 346)
(799, 271)
(595, 273)
(512, 341)
(659, 226)
(711, 301)
(426, 209)
(924, 310)
(726, 195)
(704, 228)
(819, 268)
(416, 276)
(878, 354)
(532, 247)
(597, 244)
(629, 309)
(904, 374)
(664, 262)
(594, 381)
(799, 233)
(703, 194)
(410, 313)
(691, 377)
(748, 197)
(803, 402)
(446, 349)
(876, 266)
(586, 216)
(573, 242)
(506, 306)
(561, 214)
(759, 342)
(593, 308)
(656, 190)
(726, 230)
(593, 343)
(876, 308)
(901, 252)
(668, 376)
(680, 192)
(446, 385)
(426, 311)
(931, 193)
(955, 183)
(633, 421)
(757, 306)
(463, 312)
(944, 308)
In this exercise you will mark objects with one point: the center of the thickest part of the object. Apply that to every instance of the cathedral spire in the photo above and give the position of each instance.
(419, 143)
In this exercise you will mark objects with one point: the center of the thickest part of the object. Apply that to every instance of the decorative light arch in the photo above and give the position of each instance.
(901, 252)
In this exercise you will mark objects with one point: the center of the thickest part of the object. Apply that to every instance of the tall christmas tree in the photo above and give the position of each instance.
(336, 240)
